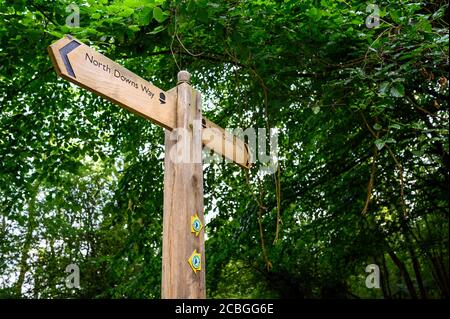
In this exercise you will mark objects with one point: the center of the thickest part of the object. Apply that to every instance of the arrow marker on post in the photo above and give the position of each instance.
(66, 50)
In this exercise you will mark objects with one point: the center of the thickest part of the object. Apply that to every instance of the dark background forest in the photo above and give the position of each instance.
(363, 158)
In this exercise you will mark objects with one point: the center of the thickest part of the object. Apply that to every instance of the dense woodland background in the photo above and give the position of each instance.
(363, 172)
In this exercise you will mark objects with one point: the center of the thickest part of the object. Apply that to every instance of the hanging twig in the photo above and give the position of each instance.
(185, 49)
(278, 196)
(371, 180)
(173, 40)
(397, 163)
(45, 15)
(261, 208)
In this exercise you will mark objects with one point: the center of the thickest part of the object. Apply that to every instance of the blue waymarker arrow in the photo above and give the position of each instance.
(64, 51)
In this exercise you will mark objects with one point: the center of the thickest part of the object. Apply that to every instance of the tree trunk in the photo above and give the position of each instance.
(382, 279)
(31, 225)
(409, 237)
(385, 279)
(416, 266)
(404, 273)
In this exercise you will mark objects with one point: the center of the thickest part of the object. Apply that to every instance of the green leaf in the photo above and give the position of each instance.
(418, 153)
(65, 29)
(158, 29)
(159, 15)
(202, 14)
(384, 87)
(425, 26)
(145, 16)
(440, 13)
(379, 144)
(134, 28)
(397, 90)
(395, 15)
(315, 14)
(391, 141)
(125, 12)
(377, 127)
(132, 3)
(56, 33)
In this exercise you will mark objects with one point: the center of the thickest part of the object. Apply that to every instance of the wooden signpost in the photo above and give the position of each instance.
(179, 112)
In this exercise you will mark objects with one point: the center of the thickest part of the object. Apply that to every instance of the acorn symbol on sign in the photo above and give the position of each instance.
(162, 98)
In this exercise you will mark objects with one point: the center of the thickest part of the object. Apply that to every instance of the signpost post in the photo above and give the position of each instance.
(179, 113)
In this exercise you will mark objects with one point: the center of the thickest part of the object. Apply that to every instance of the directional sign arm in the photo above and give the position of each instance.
(226, 144)
(80, 64)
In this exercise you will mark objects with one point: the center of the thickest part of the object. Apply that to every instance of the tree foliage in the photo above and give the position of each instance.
(363, 174)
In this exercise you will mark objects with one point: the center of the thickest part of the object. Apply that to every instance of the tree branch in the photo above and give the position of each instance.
(44, 14)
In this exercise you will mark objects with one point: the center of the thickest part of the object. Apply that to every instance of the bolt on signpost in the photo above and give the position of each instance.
(178, 111)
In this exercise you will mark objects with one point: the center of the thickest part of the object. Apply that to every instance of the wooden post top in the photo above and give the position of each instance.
(184, 77)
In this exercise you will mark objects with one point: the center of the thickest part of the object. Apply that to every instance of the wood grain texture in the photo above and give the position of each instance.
(183, 197)
(97, 73)
(226, 144)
